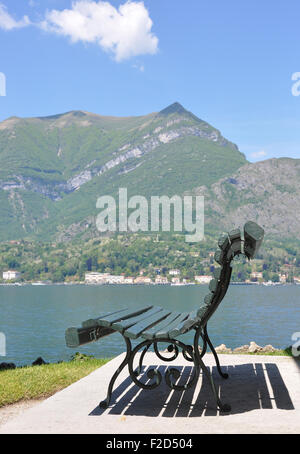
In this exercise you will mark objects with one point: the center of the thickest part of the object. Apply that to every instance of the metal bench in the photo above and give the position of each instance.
(153, 324)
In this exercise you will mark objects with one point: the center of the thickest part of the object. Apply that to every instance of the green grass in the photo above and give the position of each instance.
(285, 352)
(36, 382)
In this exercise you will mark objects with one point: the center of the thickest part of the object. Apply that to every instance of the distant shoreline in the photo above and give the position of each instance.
(35, 284)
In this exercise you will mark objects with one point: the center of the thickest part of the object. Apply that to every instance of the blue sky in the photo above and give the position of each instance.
(231, 63)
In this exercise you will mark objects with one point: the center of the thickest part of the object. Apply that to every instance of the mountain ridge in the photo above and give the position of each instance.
(175, 107)
(53, 169)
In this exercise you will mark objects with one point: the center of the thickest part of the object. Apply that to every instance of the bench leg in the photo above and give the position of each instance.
(153, 373)
(207, 339)
(222, 407)
(105, 403)
(130, 354)
(139, 369)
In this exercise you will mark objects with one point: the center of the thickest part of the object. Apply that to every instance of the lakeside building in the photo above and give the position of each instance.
(128, 280)
(11, 275)
(115, 279)
(282, 278)
(103, 278)
(161, 280)
(95, 278)
(174, 272)
(142, 280)
(106, 278)
(175, 280)
(203, 279)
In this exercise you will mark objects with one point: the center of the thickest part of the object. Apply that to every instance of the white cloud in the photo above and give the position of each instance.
(7, 22)
(258, 154)
(139, 67)
(126, 31)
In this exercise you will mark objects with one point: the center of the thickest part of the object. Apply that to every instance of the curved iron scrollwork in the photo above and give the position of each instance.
(172, 374)
(170, 349)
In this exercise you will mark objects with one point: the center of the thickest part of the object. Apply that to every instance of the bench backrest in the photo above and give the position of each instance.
(246, 241)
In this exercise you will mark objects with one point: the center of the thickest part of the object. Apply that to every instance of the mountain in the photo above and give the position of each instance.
(267, 192)
(53, 169)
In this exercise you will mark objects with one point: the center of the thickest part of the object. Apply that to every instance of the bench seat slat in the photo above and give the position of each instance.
(94, 321)
(135, 331)
(127, 313)
(164, 332)
(80, 336)
(186, 324)
(122, 325)
(151, 332)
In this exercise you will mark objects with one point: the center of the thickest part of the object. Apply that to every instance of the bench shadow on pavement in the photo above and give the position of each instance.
(249, 387)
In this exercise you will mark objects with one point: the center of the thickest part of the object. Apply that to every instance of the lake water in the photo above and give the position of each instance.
(34, 318)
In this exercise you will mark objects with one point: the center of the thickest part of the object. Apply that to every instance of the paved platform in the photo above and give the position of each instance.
(263, 391)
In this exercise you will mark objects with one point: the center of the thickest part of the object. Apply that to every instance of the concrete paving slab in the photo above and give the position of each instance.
(263, 391)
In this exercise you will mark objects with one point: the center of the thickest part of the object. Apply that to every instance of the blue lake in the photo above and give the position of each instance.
(34, 318)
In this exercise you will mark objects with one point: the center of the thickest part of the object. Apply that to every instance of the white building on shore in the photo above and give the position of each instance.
(256, 275)
(128, 280)
(111, 279)
(106, 278)
(142, 280)
(161, 280)
(11, 275)
(95, 278)
(102, 278)
(175, 280)
(203, 279)
(282, 278)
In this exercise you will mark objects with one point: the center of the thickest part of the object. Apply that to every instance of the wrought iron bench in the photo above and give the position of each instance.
(155, 325)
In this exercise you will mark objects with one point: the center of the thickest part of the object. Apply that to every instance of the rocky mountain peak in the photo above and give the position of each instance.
(176, 107)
